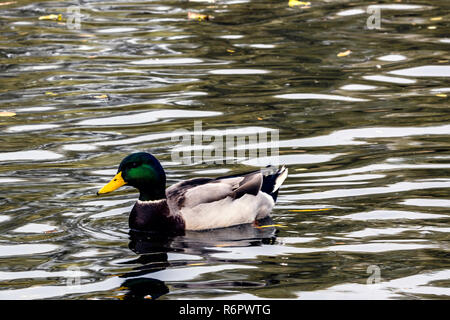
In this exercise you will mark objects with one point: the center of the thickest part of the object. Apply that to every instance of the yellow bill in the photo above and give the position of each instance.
(114, 184)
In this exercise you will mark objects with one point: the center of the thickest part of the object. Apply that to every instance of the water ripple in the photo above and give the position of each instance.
(362, 120)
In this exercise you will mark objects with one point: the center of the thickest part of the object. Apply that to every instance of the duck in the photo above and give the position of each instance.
(196, 204)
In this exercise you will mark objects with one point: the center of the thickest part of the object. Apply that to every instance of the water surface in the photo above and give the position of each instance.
(363, 126)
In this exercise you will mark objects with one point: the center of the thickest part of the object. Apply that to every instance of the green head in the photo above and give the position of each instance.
(142, 171)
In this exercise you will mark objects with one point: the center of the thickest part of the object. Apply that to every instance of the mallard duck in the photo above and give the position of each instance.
(195, 204)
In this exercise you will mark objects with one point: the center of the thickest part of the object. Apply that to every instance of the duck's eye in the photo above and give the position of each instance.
(134, 164)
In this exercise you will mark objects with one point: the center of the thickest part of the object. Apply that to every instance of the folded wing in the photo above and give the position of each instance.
(190, 193)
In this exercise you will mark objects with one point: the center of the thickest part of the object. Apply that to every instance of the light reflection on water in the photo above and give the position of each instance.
(365, 136)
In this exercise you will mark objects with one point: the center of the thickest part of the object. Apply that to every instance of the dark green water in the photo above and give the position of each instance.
(365, 136)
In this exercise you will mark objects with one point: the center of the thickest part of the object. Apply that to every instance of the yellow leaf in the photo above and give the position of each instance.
(306, 210)
(102, 96)
(271, 225)
(295, 3)
(7, 114)
(220, 245)
(259, 118)
(7, 3)
(55, 17)
(120, 289)
(86, 35)
(441, 95)
(436, 18)
(432, 27)
(230, 51)
(344, 54)
(49, 93)
(199, 17)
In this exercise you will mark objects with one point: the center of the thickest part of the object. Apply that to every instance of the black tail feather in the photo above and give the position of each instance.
(269, 182)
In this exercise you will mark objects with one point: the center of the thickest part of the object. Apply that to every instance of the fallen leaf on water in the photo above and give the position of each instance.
(196, 264)
(102, 96)
(49, 93)
(51, 17)
(259, 118)
(296, 3)
(344, 53)
(148, 297)
(6, 3)
(230, 51)
(306, 210)
(7, 114)
(51, 231)
(88, 35)
(293, 151)
(220, 245)
(432, 27)
(270, 226)
(441, 95)
(199, 17)
(436, 18)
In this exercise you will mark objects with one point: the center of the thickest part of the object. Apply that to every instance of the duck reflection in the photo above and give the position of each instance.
(153, 248)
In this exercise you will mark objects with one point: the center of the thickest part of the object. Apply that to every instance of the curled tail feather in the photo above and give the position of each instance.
(273, 181)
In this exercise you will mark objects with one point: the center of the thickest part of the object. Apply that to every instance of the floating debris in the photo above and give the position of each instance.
(55, 17)
(102, 96)
(51, 231)
(7, 114)
(270, 226)
(309, 210)
(302, 4)
(344, 53)
(7, 3)
(199, 17)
